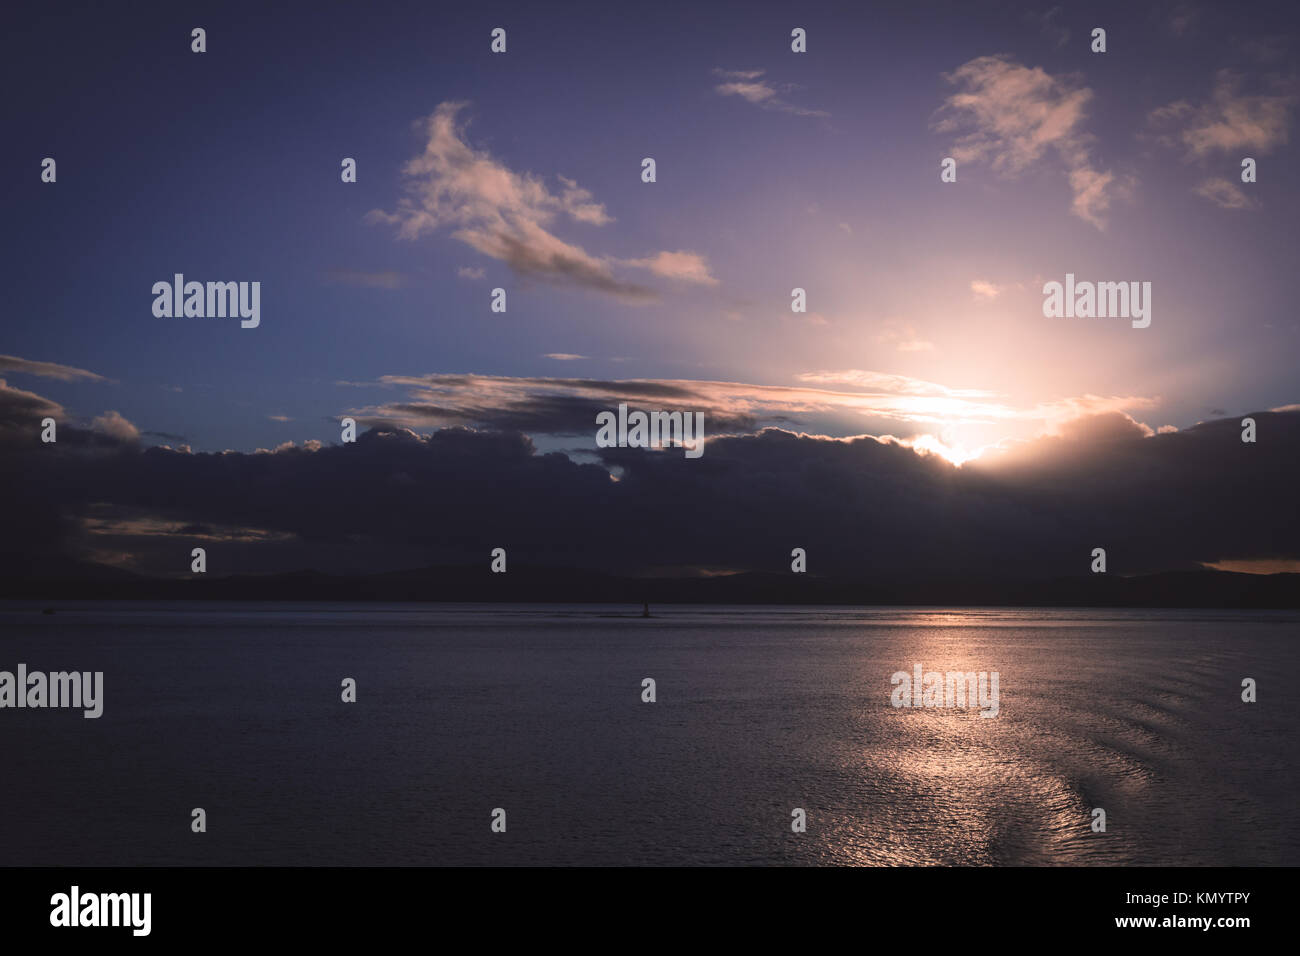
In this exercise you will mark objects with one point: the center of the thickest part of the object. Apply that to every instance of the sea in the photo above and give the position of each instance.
(524, 735)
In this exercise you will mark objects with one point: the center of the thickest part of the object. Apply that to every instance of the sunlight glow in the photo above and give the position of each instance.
(930, 445)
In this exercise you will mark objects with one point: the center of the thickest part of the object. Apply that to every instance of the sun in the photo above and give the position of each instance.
(954, 454)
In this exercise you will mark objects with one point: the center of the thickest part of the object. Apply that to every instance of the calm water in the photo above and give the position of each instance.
(461, 709)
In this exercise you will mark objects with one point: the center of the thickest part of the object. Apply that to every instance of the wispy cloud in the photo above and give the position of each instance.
(680, 266)
(1230, 120)
(373, 280)
(64, 373)
(1050, 26)
(889, 383)
(471, 272)
(567, 406)
(510, 216)
(1014, 115)
(563, 356)
(750, 86)
(984, 289)
(903, 337)
(1182, 19)
(1224, 193)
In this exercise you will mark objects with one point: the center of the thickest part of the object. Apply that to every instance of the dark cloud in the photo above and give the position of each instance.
(398, 499)
(550, 406)
(21, 412)
(563, 265)
(550, 414)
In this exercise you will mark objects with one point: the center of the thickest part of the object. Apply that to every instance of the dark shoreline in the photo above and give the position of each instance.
(540, 585)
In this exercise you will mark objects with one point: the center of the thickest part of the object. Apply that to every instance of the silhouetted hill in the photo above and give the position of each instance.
(1204, 589)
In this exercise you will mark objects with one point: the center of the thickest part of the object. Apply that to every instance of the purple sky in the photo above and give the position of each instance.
(775, 170)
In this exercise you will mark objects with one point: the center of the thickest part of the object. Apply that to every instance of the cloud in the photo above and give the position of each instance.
(1257, 566)
(1093, 192)
(1182, 19)
(1224, 193)
(511, 216)
(889, 383)
(563, 356)
(748, 85)
(1101, 427)
(757, 93)
(466, 272)
(903, 337)
(64, 373)
(680, 266)
(552, 406)
(984, 289)
(1049, 25)
(1016, 115)
(373, 280)
(537, 253)
(843, 401)
(1084, 406)
(115, 426)
(21, 413)
(1262, 49)
(279, 418)
(1229, 121)
(1037, 506)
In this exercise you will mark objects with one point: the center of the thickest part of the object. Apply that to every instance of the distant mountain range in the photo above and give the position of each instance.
(522, 583)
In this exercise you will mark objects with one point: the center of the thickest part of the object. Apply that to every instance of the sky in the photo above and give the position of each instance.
(924, 339)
